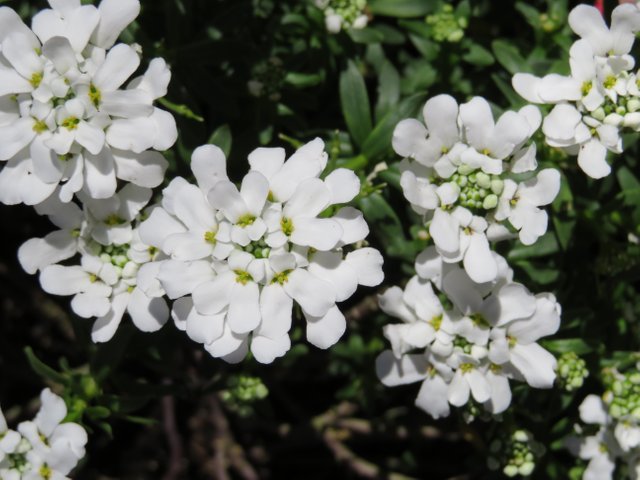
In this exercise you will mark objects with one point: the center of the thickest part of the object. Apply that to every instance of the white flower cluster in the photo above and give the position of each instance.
(472, 349)
(461, 172)
(67, 125)
(45, 448)
(234, 260)
(616, 438)
(240, 258)
(457, 174)
(110, 270)
(600, 98)
(343, 14)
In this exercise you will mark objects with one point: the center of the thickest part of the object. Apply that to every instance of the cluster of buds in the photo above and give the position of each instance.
(343, 14)
(447, 25)
(571, 371)
(515, 455)
(267, 79)
(242, 393)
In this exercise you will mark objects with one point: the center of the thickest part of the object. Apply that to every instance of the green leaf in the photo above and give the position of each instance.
(546, 245)
(378, 143)
(182, 110)
(222, 138)
(97, 412)
(355, 104)
(509, 56)
(565, 345)
(43, 369)
(386, 226)
(304, 80)
(478, 55)
(400, 8)
(540, 275)
(106, 428)
(530, 14)
(388, 89)
(365, 35)
(507, 90)
(630, 186)
(391, 35)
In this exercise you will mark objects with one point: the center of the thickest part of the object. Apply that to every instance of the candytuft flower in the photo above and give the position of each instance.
(241, 257)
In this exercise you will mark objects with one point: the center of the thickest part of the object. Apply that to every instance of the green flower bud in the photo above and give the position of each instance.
(465, 169)
(633, 105)
(497, 186)
(483, 180)
(598, 114)
(490, 201)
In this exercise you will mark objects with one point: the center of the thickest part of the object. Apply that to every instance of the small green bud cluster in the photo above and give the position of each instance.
(349, 10)
(549, 23)
(515, 455)
(117, 255)
(623, 395)
(478, 191)
(463, 344)
(267, 79)
(258, 249)
(572, 370)
(622, 106)
(446, 26)
(18, 459)
(242, 392)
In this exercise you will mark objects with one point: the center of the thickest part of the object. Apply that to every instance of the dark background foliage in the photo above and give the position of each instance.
(156, 403)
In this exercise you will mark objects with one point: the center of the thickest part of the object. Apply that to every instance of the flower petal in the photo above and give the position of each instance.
(209, 166)
(324, 331)
(315, 296)
(592, 159)
(409, 369)
(148, 314)
(115, 15)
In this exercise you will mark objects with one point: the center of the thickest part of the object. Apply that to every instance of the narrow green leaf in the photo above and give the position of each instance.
(478, 55)
(182, 110)
(509, 57)
(546, 245)
(388, 89)
(400, 8)
(43, 369)
(304, 80)
(630, 186)
(355, 104)
(365, 35)
(391, 35)
(378, 143)
(222, 138)
(507, 90)
(386, 225)
(565, 345)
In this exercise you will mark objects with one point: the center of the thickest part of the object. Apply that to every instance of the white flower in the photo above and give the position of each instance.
(471, 350)
(65, 119)
(519, 203)
(591, 103)
(246, 255)
(460, 235)
(116, 272)
(55, 447)
(462, 162)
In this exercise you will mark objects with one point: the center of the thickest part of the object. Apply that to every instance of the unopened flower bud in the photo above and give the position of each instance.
(490, 201)
(633, 105)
